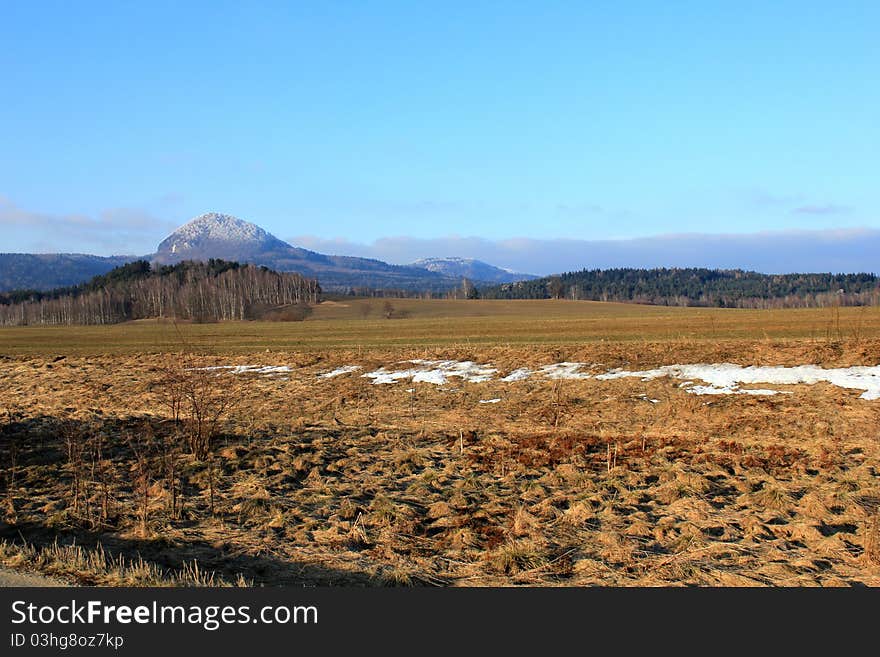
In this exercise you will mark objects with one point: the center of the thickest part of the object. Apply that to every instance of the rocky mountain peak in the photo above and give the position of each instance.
(215, 228)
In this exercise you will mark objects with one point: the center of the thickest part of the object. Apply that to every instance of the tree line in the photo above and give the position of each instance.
(698, 287)
(466, 289)
(215, 290)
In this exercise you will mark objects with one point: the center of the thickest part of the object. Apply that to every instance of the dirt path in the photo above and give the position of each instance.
(14, 578)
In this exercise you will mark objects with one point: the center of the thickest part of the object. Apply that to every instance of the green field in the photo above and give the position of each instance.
(360, 323)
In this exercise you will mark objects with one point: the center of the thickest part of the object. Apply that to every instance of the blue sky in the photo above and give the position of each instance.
(349, 122)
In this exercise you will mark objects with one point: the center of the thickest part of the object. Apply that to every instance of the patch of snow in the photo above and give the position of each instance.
(466, 370)
(725, 378)
(383, 375)
(711, 390)
(345, 369)
(437, 377)
(520, 374)
(564, 370)
(489, 401)
(218, 226)
(644, 375)
(265, 370)
(716, 379)
(733, 390)
(437, 372)
(442, 264)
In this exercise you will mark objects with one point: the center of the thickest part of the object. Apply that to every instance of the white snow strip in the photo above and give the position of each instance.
(716, 379)
(489, 401)
(437, 377)
(725, 378)
(564, 371)
(383, 375)
(733, 390)
(645, 375)
(267, 370)
(466, 370)
(437, 372)
(345, 369)
(520, 374)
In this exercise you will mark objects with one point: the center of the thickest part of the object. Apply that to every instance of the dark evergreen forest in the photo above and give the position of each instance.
(697, 287)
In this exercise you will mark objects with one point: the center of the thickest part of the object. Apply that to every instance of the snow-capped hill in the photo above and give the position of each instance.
(441, 264)
(216, 235)
(214, 229)
(222, 236)
(470, 268)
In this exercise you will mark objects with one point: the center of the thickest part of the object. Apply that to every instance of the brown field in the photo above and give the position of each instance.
(359, 324)
(338, 481)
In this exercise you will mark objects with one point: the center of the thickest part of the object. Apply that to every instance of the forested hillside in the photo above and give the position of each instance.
(698, 287)
(200, 291)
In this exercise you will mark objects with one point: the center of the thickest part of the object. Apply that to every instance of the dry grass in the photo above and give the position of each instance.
(95, 567)
(442, 323)
(337, 481)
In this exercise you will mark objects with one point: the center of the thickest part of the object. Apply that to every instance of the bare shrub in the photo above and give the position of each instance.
(143, 469)
(75, 444)
(199, 399)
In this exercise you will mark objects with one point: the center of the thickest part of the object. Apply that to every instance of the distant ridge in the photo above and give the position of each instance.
(226, 237)
(476, 270)
(44, 271)
(218, 235)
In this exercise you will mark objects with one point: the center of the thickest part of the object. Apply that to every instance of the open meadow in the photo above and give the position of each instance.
(363, 324)
(452, 443)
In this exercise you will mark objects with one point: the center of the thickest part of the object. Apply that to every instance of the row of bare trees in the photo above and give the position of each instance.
(193, 293)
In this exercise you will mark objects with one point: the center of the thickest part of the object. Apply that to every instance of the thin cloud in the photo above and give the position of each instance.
(135, 231)
(826, 209)
(114, 230)
(838, 250)
(797, 203)
(762, 198)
